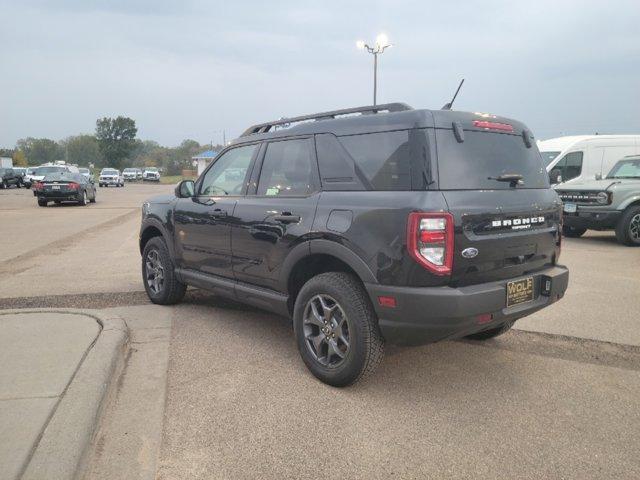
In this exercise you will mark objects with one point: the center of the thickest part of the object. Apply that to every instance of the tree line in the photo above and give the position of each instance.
(114, 144)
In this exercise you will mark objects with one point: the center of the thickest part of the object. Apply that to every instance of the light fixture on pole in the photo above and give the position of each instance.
(382, 43)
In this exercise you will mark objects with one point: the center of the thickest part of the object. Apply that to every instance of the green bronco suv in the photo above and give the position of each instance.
(610, 203)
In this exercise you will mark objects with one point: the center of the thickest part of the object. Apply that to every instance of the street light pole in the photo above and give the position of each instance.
(382, 43)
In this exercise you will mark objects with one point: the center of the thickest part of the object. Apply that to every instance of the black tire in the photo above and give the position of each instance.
(82, 201)
(572, 232)
(4, 185)
(366, 345)
(57, 202)
(628, 227)
(171, 291)
(42, 203)
(492, 333)
(93, 199)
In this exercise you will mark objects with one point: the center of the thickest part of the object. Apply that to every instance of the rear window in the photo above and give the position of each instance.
(468, 165)
(63, 177)
(47, 170)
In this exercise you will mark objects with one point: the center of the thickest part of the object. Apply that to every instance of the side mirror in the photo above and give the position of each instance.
(598, 176)
(555, 176)
(185, 189)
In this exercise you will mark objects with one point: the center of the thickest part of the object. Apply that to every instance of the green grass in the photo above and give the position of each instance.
(173, 179)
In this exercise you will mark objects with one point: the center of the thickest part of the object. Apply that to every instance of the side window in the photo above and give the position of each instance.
(383, 158)
(226, 176)
(287, 169)
(572, 166)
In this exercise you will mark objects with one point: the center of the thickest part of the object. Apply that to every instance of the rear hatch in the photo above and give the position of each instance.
(504, 228)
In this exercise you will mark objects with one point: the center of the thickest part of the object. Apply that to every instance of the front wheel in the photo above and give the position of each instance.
(628, 227)
(336, 329)
(158, 275)
(572, 232)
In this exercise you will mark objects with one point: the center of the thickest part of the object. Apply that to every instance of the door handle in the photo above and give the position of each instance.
(287, 217)
(218, 212)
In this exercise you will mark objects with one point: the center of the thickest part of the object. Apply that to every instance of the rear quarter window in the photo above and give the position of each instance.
(391, 161)
(468, 165)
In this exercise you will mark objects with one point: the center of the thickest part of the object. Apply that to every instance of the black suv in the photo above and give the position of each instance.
(8, 177)
(365, 225)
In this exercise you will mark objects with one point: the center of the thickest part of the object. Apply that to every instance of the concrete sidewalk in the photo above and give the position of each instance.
(55, 369)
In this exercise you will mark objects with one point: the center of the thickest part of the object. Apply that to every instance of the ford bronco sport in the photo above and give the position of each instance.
(366, 225)
(610, 203)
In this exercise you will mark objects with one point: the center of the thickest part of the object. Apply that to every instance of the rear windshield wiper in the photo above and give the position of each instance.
(513, 178)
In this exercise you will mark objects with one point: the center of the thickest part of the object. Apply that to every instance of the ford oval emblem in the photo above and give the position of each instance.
(469, 252)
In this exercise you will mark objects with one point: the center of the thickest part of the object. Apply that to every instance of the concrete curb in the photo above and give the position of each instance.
(62, 450)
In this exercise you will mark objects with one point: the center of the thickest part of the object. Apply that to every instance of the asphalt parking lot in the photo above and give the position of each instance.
(213, 389)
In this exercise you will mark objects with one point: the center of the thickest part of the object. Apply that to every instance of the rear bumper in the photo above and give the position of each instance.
(429, 314)
(60, 196)
(592, 219)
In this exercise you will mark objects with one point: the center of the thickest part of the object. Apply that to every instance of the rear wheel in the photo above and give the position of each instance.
(628, 227)
(93, 199)
(336, 329)
(158, 274)
(83, 198)
(572, 232)
(42, 203)
(492, 333)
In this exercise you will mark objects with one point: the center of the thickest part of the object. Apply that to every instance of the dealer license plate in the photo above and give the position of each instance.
(519, 291)
(55, 187)
(570, 207)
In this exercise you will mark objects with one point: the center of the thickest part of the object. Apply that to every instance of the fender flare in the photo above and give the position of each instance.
(628, 202)
(325, 247)
(156, 223)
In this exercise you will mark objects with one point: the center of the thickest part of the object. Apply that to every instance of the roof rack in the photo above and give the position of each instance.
(387, 107)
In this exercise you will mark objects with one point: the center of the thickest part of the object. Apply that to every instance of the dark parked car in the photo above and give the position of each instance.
(65, 187)
(9, 177)
(367, 225)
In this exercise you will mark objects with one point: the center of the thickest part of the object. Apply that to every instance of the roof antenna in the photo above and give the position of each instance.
(448, 106)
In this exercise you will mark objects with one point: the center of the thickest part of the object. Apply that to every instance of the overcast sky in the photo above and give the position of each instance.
(189, 69)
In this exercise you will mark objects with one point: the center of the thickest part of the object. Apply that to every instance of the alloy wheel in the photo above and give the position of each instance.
(326, 330)
(634, 227)
(154, 272)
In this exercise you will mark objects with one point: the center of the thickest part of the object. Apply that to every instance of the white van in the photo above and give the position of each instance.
(585, 157)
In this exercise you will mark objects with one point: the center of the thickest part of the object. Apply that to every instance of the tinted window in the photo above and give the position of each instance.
(287, 169)
(468, 165)
(383, 158)
(65, 177)
(45, 170)
(2, 171)
(226, 175)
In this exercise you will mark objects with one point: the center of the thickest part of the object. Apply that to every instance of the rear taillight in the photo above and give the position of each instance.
(503, 127)
(73, 186)
(430, 241)
(37, 186)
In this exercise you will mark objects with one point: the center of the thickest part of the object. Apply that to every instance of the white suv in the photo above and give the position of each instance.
(151, 175)
(110, 176)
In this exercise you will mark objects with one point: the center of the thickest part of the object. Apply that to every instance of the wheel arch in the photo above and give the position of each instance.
(319, 256)
(153, 228)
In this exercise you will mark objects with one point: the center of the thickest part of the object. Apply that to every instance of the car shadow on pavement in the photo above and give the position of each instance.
(433, 368)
